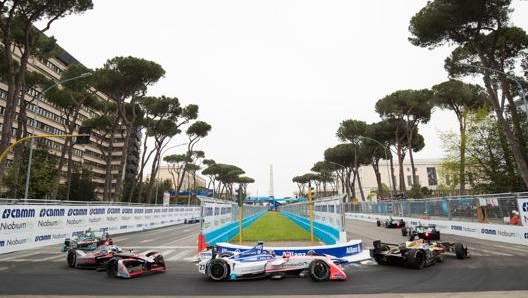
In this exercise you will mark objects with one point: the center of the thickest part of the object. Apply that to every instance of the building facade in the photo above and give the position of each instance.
(47, 119)
(428, 172)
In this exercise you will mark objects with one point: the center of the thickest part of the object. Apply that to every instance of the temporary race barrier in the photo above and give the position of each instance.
(30, 226)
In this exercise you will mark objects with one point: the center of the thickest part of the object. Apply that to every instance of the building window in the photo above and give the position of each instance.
(409, 180)
(431, 176)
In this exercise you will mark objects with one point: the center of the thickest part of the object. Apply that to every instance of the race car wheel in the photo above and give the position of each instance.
(319, 270)
(159, 260)
(460, 251)
(404, 231)
(218, 270)
(72, 259)
(378, 223)
(111, 268)
(416, 258)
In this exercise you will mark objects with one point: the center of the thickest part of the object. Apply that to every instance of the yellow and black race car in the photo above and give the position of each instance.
(415, 254)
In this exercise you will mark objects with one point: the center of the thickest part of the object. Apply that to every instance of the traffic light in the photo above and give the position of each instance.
(310, 191)
(85, 131)
(238, 195)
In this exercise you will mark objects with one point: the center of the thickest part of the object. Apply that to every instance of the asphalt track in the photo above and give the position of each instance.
(494, 270)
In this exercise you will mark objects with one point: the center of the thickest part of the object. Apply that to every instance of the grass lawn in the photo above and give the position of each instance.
(272, 226)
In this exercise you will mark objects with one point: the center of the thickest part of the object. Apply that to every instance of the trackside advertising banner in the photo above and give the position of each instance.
(216, 214)
(328, 211)
(487, 231)
(523, 211)
(29, 226)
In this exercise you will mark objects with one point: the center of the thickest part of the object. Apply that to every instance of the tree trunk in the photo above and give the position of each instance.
(515, 147)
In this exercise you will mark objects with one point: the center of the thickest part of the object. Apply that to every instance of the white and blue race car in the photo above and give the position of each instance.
(257, 262)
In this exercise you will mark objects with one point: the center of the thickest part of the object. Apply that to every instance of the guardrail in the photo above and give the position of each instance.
(490, 208)
(493, 232)
(30, 226)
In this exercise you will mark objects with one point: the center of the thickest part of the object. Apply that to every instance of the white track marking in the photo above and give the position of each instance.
(180, 256)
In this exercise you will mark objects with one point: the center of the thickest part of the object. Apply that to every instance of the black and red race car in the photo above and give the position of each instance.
(94, 258)
(391, 223)
(129, 265)
(420, 231)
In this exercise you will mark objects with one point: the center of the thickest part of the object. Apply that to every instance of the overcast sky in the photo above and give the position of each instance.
(274, 78)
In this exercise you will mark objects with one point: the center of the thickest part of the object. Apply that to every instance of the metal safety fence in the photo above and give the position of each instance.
(490, 208)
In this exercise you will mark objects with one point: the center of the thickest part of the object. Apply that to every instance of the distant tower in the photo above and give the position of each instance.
(271, 182)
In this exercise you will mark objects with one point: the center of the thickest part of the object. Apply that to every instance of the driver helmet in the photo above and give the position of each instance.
(311, 252)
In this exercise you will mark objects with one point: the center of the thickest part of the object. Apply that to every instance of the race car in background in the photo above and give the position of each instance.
(415, 254)
(391, 223)
(129, 265)
(420, 231)
(89, 240)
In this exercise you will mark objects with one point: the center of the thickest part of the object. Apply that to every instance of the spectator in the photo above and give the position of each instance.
(514, 220)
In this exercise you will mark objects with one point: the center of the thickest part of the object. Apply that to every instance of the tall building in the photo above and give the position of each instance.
(49, 120)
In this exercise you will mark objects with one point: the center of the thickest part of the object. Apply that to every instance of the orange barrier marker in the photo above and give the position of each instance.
(201, 242)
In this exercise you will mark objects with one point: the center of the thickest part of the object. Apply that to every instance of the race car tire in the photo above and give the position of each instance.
(380, 260)
(460, 251)
(159, 260)
(111, 268)
(404, 231)
(319, 270)
(416, 258)
(378, 223)
(218, 270)
(72, 259)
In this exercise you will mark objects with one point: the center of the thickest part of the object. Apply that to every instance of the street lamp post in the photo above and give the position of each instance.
(28, 174)
(159, 161)
(523, 93)
(386, 158)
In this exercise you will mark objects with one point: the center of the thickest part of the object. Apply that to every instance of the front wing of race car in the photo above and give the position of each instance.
(133, 265)
(319, 268)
